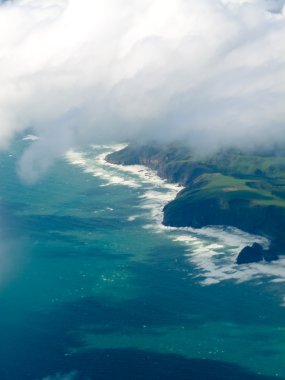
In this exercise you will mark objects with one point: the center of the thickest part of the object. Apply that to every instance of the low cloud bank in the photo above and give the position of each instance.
(211, 72)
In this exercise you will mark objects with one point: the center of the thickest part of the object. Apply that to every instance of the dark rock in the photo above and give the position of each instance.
(272, 253)
(255, 254)
(252, 254)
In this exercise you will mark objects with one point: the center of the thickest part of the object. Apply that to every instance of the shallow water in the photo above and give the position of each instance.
(92, 286)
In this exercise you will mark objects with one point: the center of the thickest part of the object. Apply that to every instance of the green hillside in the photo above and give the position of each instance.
(240, 189)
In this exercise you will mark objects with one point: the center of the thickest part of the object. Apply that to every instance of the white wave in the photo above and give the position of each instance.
(30, 138)
(213, 252)
(98, 167)
(113, 174)
(132, 218)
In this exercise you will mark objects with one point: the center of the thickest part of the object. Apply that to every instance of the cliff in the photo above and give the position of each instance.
(243, 190)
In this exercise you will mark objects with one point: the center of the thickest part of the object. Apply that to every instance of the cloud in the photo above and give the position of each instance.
(208, 71)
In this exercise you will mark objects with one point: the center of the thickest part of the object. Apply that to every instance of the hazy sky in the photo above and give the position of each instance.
(209, 71)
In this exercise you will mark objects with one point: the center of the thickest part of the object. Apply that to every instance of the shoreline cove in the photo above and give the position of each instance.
(211, 250)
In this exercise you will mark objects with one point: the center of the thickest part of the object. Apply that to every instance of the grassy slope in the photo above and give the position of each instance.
(258, 192)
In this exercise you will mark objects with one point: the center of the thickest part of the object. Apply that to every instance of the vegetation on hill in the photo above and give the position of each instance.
(240, 189)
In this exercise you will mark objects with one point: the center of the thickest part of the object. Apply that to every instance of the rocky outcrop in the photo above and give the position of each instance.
(256, 253)
(250, 254)
(170, 162)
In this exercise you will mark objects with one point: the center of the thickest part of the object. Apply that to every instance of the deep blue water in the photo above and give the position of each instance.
(90, 288)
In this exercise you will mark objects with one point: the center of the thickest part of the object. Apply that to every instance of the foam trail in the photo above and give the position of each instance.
(96, 165)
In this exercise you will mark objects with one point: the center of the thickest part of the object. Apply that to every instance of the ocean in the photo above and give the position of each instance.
(92, 286)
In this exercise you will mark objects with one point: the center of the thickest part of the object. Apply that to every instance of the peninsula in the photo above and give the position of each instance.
(245, 190)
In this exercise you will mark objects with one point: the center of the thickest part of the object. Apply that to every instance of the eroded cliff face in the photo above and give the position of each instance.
(242, 194)
(171, 162)
(262, 220)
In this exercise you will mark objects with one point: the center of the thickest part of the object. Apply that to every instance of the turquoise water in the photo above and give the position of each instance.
(91, 286)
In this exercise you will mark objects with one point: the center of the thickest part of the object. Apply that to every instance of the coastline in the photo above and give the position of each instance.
(226, 236)
(228, 188)
(211, 250)
(178, 187)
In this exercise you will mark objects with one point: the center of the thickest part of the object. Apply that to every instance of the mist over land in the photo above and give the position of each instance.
(210, 72)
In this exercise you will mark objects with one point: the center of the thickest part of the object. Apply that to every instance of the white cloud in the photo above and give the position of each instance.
(211, 71)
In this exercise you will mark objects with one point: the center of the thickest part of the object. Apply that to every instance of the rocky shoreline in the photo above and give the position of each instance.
(213, 197)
